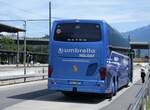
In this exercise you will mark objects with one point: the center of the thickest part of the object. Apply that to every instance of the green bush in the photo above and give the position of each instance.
(7, 44)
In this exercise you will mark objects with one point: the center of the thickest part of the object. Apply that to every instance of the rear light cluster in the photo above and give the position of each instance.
(50, 70)
(103, 73)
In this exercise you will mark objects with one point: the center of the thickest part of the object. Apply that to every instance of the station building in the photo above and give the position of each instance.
(16, 56)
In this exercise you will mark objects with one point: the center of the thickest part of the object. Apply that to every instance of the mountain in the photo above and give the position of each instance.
(140, 34)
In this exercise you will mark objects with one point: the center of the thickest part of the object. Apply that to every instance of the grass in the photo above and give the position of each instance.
(148, 104)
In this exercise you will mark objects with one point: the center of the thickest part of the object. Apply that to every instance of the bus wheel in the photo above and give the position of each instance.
(127, 85)
(110, 95)
(114, 88)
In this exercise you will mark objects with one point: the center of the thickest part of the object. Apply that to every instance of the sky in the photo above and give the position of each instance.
(124, 15)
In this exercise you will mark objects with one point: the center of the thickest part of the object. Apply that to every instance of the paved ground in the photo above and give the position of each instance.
(126, 99)
(40, 99)
(35, 96)
(13, 94)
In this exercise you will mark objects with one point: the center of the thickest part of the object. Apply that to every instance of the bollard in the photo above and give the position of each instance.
(43, 72)
(24, 79)
(142, 105)
(43, 69)
(145, 105)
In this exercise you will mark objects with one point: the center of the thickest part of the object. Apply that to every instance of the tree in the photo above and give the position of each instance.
(7, 44)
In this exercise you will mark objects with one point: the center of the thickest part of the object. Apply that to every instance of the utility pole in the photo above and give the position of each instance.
(50, 18)
(18, 49)
(131, 57)
(49, 28)
(24, 62)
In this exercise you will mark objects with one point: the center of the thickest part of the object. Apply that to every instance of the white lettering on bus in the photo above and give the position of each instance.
(83, 52)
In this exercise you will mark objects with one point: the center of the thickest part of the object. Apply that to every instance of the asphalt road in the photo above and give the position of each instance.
(13, 94)
(124, 101)
(35, 96)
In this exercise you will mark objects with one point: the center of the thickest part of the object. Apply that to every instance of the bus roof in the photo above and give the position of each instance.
(79, 20)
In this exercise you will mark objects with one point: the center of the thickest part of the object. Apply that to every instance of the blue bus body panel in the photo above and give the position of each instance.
(119, 66)
(77, 64)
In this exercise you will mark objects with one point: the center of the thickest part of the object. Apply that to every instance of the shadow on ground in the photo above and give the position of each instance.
(31, 95)
(46, 95)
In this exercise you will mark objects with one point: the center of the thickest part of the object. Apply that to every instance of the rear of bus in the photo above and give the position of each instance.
(77, 59)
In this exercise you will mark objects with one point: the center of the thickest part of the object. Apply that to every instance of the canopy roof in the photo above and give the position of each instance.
(11, 29)
(140, 45)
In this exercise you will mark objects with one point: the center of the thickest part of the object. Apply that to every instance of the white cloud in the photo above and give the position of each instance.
(113, 11)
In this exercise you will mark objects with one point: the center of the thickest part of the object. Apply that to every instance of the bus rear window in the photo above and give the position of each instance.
(77, 32)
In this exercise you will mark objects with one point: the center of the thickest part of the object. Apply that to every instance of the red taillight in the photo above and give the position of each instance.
(49, 71)
(103, 73)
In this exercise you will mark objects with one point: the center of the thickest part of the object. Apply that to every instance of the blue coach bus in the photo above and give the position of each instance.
(88, 56)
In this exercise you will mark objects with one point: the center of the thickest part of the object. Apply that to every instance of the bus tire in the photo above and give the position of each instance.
(127, 85)
(113, 92)
(114, 89)
(109, 95)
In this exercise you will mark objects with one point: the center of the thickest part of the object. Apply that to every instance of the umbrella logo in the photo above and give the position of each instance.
(60, 51)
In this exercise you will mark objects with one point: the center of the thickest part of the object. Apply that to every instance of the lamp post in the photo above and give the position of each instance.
(18, 49)
(24, 62)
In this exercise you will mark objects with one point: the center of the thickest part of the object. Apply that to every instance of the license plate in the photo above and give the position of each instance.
(75, 82)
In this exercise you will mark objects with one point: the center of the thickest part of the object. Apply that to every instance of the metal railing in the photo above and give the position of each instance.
(7, 80)
(143, 97)
(33, 75)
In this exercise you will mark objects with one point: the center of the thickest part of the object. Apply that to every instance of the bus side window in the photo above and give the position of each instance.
(115, 57)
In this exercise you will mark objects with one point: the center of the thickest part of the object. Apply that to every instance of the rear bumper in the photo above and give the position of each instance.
(88, 86)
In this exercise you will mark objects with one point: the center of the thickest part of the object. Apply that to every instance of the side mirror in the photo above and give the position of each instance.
(109, 60)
